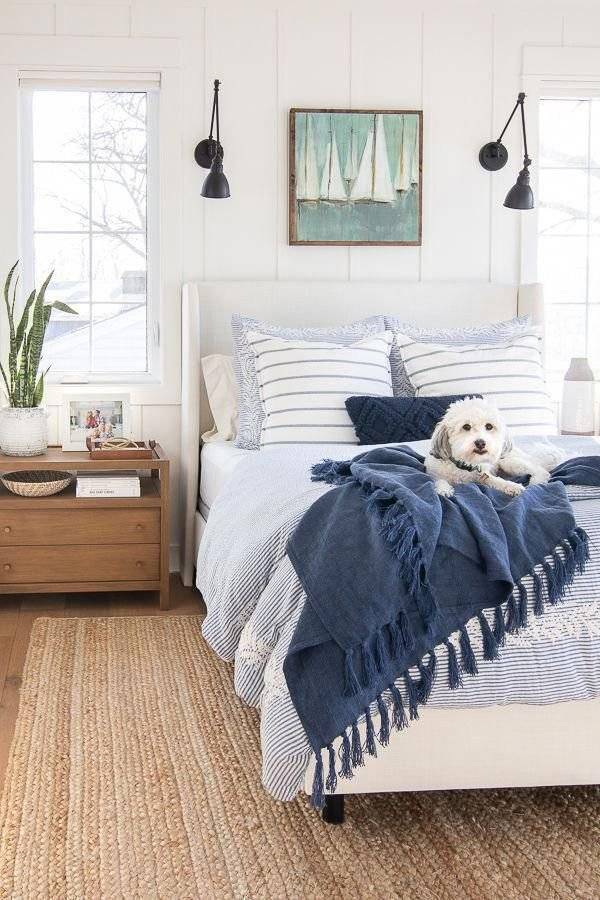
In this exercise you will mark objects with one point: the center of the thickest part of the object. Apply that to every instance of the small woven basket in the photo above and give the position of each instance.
(36, 484)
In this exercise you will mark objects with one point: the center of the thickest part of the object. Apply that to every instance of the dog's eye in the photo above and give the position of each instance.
(466, 427)
(489, 427)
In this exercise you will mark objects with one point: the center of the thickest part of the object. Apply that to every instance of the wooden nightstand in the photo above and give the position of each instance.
(68, 544)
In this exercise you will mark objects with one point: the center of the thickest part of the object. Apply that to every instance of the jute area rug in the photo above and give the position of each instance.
(135, 773)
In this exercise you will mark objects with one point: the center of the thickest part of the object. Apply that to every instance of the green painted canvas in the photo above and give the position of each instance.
(355, 177)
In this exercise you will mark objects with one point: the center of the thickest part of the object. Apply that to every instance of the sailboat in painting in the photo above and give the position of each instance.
(307, 184)
(351, 167)
(403, 170)
(373, 183)
(407, 171)
(332, 184)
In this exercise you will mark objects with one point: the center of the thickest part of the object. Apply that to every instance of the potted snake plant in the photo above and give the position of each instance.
(23, 424)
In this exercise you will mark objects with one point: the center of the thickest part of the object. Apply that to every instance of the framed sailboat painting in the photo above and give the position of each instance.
(355, 176)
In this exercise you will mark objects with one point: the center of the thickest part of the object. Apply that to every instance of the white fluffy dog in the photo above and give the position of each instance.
(471, 443)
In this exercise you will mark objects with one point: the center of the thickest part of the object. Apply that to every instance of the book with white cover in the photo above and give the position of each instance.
(104, 484)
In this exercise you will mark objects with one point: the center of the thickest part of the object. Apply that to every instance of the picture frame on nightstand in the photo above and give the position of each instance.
(100, 416)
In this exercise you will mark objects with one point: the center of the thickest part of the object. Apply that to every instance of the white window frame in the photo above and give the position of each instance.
(550, 71)
(82, 82)
(102, 57)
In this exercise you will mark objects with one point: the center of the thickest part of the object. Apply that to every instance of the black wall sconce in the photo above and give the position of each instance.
(209, 154)
(494, 155)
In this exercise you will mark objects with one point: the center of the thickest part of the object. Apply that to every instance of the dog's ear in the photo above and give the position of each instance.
(440, 442)
(506, 447)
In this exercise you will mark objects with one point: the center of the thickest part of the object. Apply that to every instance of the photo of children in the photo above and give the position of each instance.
(99, 420)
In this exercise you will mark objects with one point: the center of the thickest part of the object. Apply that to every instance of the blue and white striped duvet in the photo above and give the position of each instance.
(254, 599)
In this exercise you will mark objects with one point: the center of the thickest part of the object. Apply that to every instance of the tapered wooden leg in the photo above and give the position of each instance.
(333, 811)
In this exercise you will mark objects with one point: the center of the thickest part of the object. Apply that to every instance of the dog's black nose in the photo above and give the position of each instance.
(479, 443)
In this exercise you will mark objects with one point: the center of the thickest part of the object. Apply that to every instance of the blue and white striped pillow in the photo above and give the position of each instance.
(249, 405)
(511, 374)
(489, 333)
(303, 386)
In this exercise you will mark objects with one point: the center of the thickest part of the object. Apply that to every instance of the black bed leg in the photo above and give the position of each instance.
(333, 811)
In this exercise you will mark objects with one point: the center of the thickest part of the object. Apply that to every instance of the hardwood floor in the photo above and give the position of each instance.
(19, 612)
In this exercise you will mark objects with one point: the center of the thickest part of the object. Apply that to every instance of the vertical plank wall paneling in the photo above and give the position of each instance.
(239, 235)
(510, 34)
(457, 72)
(384, 77)
(459, 61)
(314, 72)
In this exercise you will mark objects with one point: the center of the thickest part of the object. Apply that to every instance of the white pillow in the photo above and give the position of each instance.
(303, 386)
(511, 374)
(222, 397)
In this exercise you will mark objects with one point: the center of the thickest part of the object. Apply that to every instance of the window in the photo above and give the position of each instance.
(89, 196)
(569, 228)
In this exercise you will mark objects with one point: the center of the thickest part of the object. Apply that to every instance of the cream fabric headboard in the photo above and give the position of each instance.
(206, 316)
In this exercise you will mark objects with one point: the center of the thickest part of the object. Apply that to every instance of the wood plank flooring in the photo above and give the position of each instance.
(19, 612)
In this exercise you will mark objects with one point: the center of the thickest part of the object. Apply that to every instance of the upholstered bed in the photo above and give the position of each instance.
(531, 717)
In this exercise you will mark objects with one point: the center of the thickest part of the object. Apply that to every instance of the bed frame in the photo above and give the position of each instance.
(506, 746)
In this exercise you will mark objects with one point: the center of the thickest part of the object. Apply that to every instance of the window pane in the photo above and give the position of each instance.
(60, 125)
(594, 343)
(565, 336)
(563, 203)
(118, 197)
(119, 269)
(119, 126)
(67, 344)
(564, 132)
(595, 133)
(61, 195)
(119, 338)
(562, 265)
(69, 257)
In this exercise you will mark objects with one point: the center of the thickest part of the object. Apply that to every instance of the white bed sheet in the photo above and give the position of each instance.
(218, 460)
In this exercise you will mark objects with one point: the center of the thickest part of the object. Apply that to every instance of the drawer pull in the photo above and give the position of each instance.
(139, 527)
(7, 567)
(7, 529)
(139, 564)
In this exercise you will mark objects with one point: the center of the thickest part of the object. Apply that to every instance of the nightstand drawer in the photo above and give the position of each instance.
(76, 526)
(79, 563)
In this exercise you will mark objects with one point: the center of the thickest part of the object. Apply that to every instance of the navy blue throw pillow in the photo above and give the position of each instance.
(390, 420)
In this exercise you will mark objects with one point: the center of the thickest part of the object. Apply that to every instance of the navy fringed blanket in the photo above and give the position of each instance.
(391, 571)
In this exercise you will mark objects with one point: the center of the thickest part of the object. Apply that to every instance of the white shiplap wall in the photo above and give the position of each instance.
(459, 61)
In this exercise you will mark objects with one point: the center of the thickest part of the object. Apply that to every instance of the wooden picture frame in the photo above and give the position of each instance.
(396, 204)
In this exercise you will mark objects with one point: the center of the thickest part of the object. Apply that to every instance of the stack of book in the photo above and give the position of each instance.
(108, 484)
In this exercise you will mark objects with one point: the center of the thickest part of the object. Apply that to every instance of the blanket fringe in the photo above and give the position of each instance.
(469, 663)
(351, 682)
(331, 471)
(555, 576)
(346, 770)
(499, 626)
(454, 675)
(331, 782)
(490, 644)
(400, 534)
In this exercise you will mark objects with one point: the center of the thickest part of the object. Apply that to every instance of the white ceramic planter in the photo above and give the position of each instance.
(23, 431)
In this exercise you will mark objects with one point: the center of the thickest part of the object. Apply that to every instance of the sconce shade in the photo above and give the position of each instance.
(215, 184)
(520, 195)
